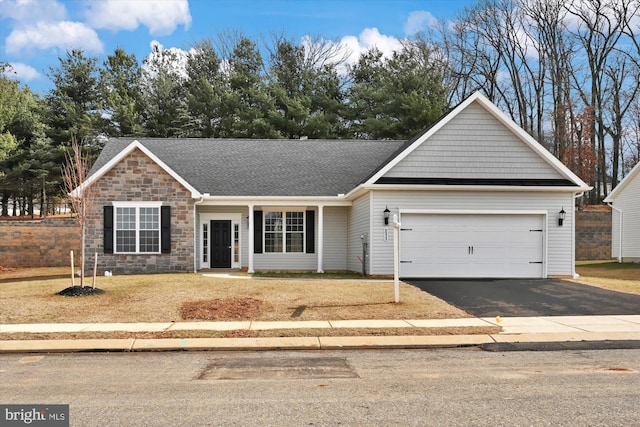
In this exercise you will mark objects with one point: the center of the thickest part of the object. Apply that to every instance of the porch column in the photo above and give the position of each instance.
(251, 231)
(320, 237)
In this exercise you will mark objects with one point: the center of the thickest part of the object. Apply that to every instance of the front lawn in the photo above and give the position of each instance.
(623, 277)
(29, 296)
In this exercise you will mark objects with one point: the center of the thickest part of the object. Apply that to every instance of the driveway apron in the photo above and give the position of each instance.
(529, 297)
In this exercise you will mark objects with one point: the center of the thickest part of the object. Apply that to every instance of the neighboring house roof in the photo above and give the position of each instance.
(249, 167)
(623, 184)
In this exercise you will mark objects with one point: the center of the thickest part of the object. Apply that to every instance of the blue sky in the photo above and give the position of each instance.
(34, 33)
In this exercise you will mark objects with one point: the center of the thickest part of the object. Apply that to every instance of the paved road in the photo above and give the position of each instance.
(367, 388)
(529, 297)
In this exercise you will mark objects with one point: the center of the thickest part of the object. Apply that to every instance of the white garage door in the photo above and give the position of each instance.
(471, 246)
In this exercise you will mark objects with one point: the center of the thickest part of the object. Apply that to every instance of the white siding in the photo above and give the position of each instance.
(284, 262)
(474, 145)
(559, 251)
(335, 238)
(358, 226)
(629, 202)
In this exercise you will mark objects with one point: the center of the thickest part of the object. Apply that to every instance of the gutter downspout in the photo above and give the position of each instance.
(573, 235)
(619, 230)
(195, 234)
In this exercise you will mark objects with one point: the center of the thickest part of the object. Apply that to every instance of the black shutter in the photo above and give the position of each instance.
(257, 232)
(108, 229)
(165, 229)
(310, 231)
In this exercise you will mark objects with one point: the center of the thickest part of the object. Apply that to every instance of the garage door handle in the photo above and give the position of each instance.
(535, 262)
(470, 250)
(406, 262)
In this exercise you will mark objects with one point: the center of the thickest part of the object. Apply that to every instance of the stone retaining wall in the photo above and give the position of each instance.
(593, 235)
(39, 243)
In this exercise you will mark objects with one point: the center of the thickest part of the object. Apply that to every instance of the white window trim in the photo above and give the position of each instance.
(284, 230)
(137, 206)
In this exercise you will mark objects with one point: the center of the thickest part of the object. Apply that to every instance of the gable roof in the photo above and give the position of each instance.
(250, 167)
(623, 184)
(310, 168)
(570, 179)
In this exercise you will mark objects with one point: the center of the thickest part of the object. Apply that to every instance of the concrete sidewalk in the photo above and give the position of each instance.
(514, 330)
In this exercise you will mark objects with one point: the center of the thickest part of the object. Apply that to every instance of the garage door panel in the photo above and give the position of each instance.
(471, 245)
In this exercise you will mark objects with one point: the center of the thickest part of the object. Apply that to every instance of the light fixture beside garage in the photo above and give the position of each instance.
(386, 212)
(561, 216)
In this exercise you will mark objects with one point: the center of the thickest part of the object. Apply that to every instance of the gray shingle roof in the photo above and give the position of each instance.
(249, 167)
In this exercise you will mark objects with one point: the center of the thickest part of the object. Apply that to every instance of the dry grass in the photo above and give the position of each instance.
(29, 296)
(611, 275)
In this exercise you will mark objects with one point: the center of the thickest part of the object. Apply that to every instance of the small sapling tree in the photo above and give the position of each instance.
(74, 176)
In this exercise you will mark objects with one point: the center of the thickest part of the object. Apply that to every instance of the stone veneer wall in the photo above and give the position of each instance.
(593, 235)
(138, 178)
(39, 243)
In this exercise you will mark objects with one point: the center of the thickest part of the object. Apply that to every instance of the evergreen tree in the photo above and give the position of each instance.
(121, 93)
(307, 92)
(395, 98)
(27, 157)
(246, 106)
(164, 96)
(74, 108)
(205, 87)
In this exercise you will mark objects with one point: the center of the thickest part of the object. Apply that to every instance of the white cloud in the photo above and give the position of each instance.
(22, 71)
(351, 47)
(161, 16)
(370, 37)
(418, 21)
(44, 35)
(29, 11)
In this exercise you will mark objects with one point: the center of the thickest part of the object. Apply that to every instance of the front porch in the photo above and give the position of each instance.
(273, 235)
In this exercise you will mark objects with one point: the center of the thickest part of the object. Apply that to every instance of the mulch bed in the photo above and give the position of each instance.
(78, 291)
(221, 309)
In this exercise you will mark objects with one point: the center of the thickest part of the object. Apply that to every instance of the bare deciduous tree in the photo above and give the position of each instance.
(74, 176)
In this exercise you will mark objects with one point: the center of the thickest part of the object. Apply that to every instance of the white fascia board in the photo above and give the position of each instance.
(505, 120)
(627, 179)
(502, 188)
(128, 150)
(275, 201)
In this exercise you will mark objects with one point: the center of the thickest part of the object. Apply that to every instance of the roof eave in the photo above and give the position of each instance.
(501, 188)
(339, 200)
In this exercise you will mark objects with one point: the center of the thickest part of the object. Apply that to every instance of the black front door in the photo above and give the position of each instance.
(220, 244)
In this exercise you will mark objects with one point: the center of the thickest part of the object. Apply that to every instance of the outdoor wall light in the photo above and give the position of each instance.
(387, 212)
(561, 216)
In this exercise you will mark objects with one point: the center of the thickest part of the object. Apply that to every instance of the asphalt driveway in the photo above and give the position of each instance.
(528, 297)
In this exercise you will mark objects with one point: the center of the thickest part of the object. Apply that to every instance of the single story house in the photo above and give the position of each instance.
(475, 195)
(625, 227)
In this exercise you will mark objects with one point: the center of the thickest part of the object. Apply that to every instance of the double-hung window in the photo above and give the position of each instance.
(284, 232)
(137, 228)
